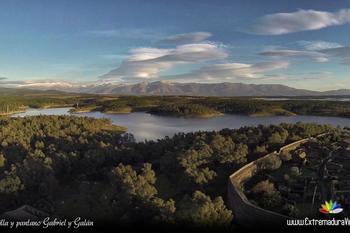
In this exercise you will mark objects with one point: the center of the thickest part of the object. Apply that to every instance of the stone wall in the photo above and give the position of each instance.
(246, 213)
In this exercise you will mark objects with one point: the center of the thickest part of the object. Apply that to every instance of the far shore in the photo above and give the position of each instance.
(274, 112)
(127, 111)
(12, 112)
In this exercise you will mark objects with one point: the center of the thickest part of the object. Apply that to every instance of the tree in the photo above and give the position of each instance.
(201, 210)
(226, 151)
(266, 194)
(260, 149)
(275, 138)
(2, 160)
(271, 162)
(278, 135)
(285, 156)
(136, 197)
(194, 162)
(295, 171)
(264, 186)
(11, 183)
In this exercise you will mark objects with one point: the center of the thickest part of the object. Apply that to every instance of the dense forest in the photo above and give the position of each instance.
(76, 166)
(13, 104)
(187, 110)
(187, 106)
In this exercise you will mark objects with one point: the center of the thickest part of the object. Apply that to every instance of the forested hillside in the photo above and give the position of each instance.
(13, 104)
(75, 166)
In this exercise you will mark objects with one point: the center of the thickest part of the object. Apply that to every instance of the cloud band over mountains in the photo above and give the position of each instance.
(314, 55)
(231, 71)
(148, 63)
(301, 20)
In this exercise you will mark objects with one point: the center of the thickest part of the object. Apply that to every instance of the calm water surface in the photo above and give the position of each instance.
(146, 126)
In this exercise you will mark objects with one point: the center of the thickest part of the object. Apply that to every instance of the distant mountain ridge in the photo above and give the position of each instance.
(26, 91)
(201, 89)
(190, 89)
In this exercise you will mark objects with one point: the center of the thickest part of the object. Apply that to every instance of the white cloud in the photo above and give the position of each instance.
(34, 83)
(112, 56)
(340, 52)
(343, 53)
(301, 76)
(134, 33)
(193, 37)
(148, 63)
(4, 82)
(301, 20)
(318, 45)
(318, 51)
(231, 71)
(314, 55)
(48, 84)
(152, 63)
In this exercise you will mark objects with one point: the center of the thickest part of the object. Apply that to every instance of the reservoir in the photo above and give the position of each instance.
(145, 126)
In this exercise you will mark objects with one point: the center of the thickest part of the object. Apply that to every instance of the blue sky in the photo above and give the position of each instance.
(302, 44)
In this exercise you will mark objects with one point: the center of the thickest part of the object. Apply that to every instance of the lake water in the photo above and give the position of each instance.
(147, 126)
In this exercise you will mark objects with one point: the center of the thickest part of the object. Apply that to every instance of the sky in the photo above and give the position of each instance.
(302, 44)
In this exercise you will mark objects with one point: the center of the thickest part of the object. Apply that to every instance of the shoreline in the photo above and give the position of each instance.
(204, 116)
(27, 108)
(12, 113)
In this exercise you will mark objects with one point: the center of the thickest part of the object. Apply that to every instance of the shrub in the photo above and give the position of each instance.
(285, 156)
(272, 162)
(295, 171)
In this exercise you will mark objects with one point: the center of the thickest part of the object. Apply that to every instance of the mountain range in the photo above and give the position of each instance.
(190, 89)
